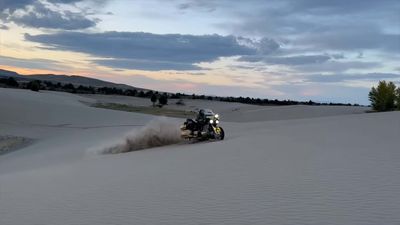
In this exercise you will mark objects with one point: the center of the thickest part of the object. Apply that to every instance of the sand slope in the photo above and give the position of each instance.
(60, 124)
(328, 170)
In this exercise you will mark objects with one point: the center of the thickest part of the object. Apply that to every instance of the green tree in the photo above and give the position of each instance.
(154, 99)
(398, 98)
(383, 97)
(163, 100)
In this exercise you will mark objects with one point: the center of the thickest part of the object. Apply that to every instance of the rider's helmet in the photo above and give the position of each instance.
(201, 113)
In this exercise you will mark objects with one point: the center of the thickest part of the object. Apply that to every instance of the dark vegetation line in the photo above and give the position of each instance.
(36, 85)
(146, 110)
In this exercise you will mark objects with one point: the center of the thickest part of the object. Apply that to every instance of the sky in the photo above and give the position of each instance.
(325, 51)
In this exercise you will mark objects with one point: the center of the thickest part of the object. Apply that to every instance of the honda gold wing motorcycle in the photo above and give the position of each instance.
(209, 129)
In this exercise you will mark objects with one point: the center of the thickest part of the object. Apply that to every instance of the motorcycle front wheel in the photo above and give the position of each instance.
(220, 135)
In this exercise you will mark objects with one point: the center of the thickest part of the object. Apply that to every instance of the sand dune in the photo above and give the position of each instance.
(332, 167)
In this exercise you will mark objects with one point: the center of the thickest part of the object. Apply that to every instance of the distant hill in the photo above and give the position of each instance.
(73, 79)
(77, 80)
(8, 73)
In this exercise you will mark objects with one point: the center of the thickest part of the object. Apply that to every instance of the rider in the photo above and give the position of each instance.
(201, 119)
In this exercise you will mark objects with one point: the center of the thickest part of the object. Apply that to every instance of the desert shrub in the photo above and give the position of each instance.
(141, 94)
(130, 92)
(383, 97)
(163, 100)
(49, 85)
(69, 88)
(34, 85)
(154, 99)
(148, 94)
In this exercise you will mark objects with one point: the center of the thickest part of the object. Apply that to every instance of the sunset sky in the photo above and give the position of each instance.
(286, 49)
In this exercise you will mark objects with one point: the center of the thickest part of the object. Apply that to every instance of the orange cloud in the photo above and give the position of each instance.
(311, 92)
(25, 71)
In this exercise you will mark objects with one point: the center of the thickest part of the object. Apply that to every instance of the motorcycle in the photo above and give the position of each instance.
(211, 130)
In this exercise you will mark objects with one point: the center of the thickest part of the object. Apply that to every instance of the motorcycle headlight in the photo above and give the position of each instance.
(211, 121)
(217, 121)
(216, 116)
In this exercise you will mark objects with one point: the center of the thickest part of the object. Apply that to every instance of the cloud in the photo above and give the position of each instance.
(208, 6)
(42, 17)
(332, 66)
(324, 63)
(144, 50)
(288, 60)
(13, 5)
(341, 6)
(264, 46)
(347, 77)
(293, 6)
(338, 56)
(352, 39)
(3, 27)
(43, 64)
(268, 46)
(320, 25)
(47, 14)
(145, 65)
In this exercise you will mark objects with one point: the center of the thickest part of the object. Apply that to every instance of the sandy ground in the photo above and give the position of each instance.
(340, 167)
